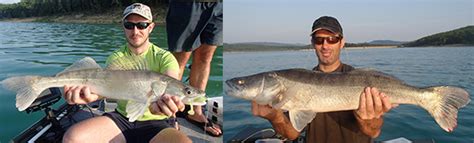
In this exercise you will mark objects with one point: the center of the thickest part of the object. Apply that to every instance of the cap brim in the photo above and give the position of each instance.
(123, 19)
(322, 28)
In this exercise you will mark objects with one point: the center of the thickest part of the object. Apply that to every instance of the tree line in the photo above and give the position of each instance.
(33, 8)
(461, 36)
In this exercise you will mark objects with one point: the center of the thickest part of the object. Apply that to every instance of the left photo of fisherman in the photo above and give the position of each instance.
(111, 71)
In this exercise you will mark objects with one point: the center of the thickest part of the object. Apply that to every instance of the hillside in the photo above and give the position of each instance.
(386, 42)
(458, 37)
(76, 11)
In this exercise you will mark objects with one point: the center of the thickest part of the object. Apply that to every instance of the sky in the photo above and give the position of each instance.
(290, 21)
(9, 1)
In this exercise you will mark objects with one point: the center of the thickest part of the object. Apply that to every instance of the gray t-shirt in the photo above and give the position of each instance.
(336, 127)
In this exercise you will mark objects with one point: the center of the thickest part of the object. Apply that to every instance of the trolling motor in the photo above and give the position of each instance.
(50, 127)
(44, 103)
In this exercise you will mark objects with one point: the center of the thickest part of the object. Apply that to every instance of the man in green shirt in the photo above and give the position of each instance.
(114, 127)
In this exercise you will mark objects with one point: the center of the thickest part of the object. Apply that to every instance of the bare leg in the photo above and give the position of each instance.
(97, 129)
(201, 67)
(199, 76)
(182, 58)
(170, 135)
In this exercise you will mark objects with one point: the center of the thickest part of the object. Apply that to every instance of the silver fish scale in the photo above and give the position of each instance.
(117, 84)
(322, 92)
(304, 93)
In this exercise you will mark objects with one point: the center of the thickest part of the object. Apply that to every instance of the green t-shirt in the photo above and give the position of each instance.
(158, 60)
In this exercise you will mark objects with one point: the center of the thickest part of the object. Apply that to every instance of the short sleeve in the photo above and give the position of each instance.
(168, 62)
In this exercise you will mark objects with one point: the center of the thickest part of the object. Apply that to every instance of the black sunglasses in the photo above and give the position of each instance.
(140, 25)
(329, 40)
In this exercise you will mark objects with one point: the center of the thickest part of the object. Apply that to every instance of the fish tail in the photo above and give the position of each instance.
(25, 89)
(445, 105)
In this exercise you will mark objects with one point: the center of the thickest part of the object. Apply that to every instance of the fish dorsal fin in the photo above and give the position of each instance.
(299, 118)
(82, 64)
(128, 63)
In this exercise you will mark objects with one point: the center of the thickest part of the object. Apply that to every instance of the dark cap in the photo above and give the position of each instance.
(327, 23)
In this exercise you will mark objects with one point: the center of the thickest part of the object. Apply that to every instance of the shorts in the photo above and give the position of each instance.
(190, 24)
(139, 131)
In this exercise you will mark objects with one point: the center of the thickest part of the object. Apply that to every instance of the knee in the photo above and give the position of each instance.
(74, 135)
(171, 135)
(202, 58)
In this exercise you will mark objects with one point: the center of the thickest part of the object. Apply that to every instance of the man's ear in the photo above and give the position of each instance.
(152, 26)
(343, 42)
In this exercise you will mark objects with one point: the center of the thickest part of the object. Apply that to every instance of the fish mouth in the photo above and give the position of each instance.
(228, 83)
(230, 87)
(199, 100)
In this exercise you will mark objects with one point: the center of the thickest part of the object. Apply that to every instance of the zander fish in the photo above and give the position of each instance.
(126, 78)
(303, 93)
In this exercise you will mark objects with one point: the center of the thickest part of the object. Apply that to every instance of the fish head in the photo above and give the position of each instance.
(262, 88)
(189, 95)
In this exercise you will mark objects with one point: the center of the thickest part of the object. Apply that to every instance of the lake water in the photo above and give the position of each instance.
(416, 66)
(47, 48)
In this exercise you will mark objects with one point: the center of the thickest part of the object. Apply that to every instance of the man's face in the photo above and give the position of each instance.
(136, 37)
(327, 52)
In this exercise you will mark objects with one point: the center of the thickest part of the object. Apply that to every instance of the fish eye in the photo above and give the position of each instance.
(240, 82)
(188, 90)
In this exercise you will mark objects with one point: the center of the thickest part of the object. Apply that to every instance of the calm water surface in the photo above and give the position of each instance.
(47, 48)
(416, 66)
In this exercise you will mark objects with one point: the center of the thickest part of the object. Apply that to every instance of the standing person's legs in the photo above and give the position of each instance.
(210, 37)
(195, 27)
(198, 78)
(201, 67)
(182, 58)
(97, 129)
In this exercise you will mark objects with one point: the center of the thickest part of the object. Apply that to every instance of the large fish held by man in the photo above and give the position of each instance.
(126, 78)
(303, 93)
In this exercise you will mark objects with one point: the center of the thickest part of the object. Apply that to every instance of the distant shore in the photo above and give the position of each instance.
(372, 47)
(282, 48)
(108, 17)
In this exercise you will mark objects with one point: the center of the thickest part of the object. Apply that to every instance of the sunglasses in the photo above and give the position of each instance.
(139, 25)
(329, 40)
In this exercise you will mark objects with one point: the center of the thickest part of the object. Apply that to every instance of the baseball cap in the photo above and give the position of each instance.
(140, 9)
(327, 23)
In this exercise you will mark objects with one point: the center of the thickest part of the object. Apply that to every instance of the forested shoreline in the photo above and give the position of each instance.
(90, 11)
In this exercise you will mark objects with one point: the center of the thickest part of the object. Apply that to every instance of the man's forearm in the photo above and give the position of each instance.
(282, 125)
